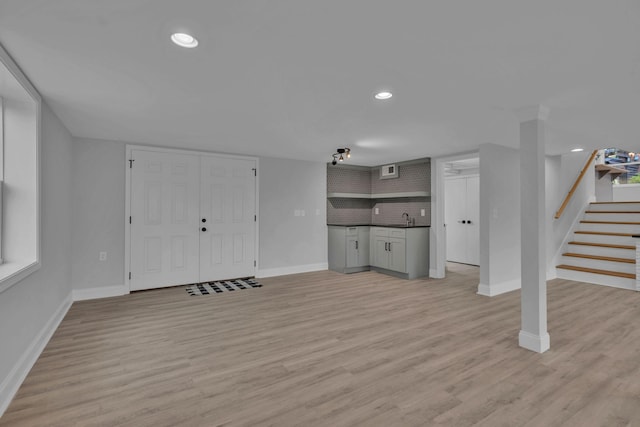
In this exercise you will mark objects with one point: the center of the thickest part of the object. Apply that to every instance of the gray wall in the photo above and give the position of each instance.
(98, 213)
(499, 218)
(27, 306)
(285, 240)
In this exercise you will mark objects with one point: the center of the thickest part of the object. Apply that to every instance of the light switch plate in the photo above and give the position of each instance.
(377, 211)
(422, 212)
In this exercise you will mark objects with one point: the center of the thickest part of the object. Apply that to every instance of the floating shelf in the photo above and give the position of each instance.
(406, 194)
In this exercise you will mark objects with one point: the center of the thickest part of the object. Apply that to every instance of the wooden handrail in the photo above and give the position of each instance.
(575, 184)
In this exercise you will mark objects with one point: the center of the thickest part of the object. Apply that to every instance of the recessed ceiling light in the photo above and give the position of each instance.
(577, 150)
(383, 95)
(184, 40)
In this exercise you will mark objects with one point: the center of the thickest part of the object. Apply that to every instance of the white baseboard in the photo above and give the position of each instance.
(498, 288)
(100, 292)
(433, 273)
(295, 269)
(10, 385)
(533, 342)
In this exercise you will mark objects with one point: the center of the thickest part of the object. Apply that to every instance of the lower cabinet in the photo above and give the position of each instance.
(348, 249)
(400, 250)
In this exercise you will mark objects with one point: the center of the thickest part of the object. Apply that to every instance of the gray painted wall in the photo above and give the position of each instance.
(27, 306)
(98, 213)
(499, 216)
(285, 240)
(288, 240)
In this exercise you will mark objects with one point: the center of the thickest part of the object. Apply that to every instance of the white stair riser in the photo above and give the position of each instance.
(627, 217)
(600, 238)
(615, 207)
(599, 279)
(598, 264)
(612, 228)
(601, 251)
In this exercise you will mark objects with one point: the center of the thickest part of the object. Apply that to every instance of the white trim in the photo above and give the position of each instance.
(532, 112)
(295, 269)
(21, 272)
(14, 272)
(433, 273)
(100, 292)
(533, 342)
(127, 205)
(10, 385)
(437, 236)
(499, 288)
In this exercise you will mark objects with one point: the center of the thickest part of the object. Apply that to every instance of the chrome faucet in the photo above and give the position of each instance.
(408, 221)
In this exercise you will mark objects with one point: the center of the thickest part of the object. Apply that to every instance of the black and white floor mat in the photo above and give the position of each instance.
(211, 288)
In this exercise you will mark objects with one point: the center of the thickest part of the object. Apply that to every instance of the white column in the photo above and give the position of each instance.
(533, 333)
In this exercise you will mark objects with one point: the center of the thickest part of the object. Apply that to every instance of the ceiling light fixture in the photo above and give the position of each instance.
(577, 150)
(383, 95)
(184, 40)
(340, 155)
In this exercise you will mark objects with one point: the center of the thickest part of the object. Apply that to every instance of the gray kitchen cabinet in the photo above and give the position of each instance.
(348, 249)
(403, 252)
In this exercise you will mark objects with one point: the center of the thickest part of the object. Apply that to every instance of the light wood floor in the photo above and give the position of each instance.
(338, 350)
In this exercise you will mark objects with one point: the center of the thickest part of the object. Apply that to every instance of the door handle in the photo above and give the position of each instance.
(204, 219)
(468, 221)
(204, 229)
(462, 222)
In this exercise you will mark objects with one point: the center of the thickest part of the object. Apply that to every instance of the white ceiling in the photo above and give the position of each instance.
(296, 78)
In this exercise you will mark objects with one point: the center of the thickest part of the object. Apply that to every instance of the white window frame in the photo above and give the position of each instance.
(14, 271)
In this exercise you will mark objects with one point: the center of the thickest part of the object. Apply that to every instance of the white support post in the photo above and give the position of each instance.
(533, 334)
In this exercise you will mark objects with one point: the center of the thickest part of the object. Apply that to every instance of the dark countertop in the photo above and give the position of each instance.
(380, 225)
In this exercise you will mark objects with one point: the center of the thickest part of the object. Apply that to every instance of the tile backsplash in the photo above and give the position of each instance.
(412, 176)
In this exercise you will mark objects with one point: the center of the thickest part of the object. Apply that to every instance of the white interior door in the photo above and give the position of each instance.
(473, 220)
(454, 214)
(227, 218)
(462, 216)
(164, 219)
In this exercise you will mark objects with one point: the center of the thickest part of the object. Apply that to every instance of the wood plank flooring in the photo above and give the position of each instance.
(326, 349)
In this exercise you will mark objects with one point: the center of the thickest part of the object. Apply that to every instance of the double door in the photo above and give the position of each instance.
(462, 217)
(192, 218)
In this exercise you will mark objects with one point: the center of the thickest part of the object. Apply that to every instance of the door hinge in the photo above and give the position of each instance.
(129, 275)
(131, 163)
(255, 171)
(129, 220)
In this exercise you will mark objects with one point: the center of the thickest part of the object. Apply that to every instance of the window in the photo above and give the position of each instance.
(20, 106)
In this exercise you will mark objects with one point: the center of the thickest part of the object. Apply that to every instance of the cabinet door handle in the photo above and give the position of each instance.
(389, 246)
(386, 246)
(356, 244)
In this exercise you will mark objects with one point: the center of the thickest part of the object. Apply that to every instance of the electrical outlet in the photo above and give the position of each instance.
(102, 256)
(422, 212)
(376, 211)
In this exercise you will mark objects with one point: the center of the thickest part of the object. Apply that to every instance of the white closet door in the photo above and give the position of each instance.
(164, 211)
(228, 233)
(473, 218)
(455, 211)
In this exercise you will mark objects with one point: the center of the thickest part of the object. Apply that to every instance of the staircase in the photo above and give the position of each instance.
(603, 250)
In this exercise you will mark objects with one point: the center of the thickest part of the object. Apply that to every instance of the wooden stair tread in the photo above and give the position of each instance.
(601, 258)
(610, 222)
(612, 212)
(604, 233)
(604, 245)
(596, 271)
(611, 203)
